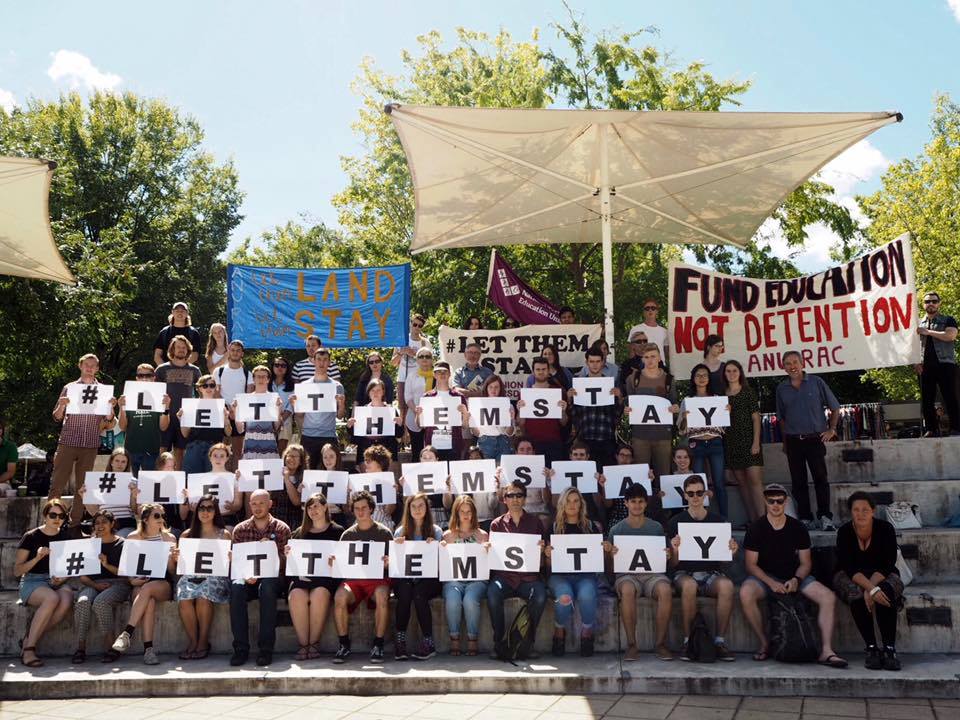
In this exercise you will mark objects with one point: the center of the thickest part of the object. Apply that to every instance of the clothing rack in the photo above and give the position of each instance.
(857, 421)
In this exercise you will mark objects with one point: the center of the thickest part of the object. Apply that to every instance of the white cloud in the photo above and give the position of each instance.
(7, 101)
(80, 71)
(853, 166)
(955, 8)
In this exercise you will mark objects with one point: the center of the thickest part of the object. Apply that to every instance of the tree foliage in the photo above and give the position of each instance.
(141, 214)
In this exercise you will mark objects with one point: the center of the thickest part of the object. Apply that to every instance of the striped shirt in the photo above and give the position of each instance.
(304, 370)
(80, 431)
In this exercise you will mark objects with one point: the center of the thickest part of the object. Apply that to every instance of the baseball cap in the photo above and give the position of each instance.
(179, 304)
(775, 489)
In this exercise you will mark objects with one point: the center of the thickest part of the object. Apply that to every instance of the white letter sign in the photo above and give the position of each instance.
(332, 483)
(528, 469)
(706, 411)
(440, 411)
(620, 477)
(593, 391)
(106, 488)
(261, 475)
(489, 414)
(310, 558)
(428, 477)
(315, 397)
(581, 474)
(91, 399)
(73, 558)
(638, 554)
(205, 558)
(374, 421)
(144, 395)
(382, 485)
(515, 552)
(257, 407)
(704, 541)
(356, 560)
(257, 559)
(576, 553)
(413, 559)
(464, 561)
(143, 558)
(473, 476)
(218, 484)
(198, 413)
(650, 410)
(541, 403)
(161, 486)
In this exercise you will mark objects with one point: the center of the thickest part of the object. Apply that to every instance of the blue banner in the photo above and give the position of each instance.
(344, 307)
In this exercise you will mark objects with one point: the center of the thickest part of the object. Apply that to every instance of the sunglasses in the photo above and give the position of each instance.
(57, 516)
(283, 365)
(208, 386)
(145, 375)
(694, 493)
(157, 516)
(417, 325)
(931, 302)
(204, 508)
(375, 362)
(651, 307)
(776, 501)
(514, 496)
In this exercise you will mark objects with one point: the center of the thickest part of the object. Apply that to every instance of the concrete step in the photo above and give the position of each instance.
(923, 676)
(938, 500)
(927, 626)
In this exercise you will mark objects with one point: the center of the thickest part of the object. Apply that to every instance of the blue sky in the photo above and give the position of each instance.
(270, 82)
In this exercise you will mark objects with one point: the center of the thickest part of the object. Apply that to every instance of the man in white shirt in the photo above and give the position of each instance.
(233, 379)
(654, 332)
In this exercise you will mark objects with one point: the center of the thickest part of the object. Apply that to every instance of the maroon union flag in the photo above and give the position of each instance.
(517, 299)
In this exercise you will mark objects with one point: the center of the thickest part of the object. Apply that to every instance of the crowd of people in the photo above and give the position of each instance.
(776, 546)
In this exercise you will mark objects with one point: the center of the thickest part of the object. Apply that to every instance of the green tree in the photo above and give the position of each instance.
(921, 196)
(141, 214)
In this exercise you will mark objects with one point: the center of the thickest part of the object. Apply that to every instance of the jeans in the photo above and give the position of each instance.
(195, 457)
(581, 588)
(803, 452)
(711, 451)
(143, 461)
(266, 589)
(457, 594)
(493, 446)
(533, 592)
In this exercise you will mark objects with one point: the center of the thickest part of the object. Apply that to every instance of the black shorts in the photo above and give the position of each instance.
(235, 432)
(172, 437)
(312, 583)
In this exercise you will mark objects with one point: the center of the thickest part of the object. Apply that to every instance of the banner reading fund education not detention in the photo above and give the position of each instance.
(855, 316)
(345, 307)
(510, 353)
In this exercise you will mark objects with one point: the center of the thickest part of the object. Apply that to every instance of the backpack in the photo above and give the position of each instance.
(519, 637)
(700, 647)
(247, 379)
(793, 634)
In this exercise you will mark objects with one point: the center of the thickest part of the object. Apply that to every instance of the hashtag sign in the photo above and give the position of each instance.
(108, 481)
(451, 345)
(75, 563)
(89, 395)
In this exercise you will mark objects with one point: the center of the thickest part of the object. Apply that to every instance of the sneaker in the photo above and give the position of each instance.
(559, 646)
(890, 660)
(586, 646)
(264, 657)
(239, 657)
(400, 650)
(683, 652)
(425, 651)
(663, 653)
(122, 643)
(376, 654)
(873, 660)
(343, 652)
(828, 524)
(723, 653)
(150, 656)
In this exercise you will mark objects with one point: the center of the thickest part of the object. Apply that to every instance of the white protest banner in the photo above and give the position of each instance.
(640, 554)
(314, 397)
(374, 421)
(382, 485)
(143, 396)
(710, 411)
(310, 558)
(356, 560)
(107, 488)
(73, 558)
(218, 484)
(203, 557)
(257, 559)
(91, 399)
(414, 559)
(541, 403)
(650, 410)
(672, 488)
(428, 477)
(199, 413)
(620, 477)
(515, 552)
(489, 414)
(581, 474)
(463, 561)
(257, 407)
(593, 391)
(144, 558)
(161, 486)
(332, 483)
(261, 475)
(855, 316)
(576, 553)
(528, 469)
(440, 411)
(704, 541)
(473, 476)
(509, 353)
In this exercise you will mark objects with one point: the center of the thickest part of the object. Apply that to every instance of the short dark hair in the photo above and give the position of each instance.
(635, 491)
(361, 496)
(594, 352)
(693, 480)
(710, 341)
(540, 360)
(566, 309)
(861, 495)
(579, 445)
(518, 486)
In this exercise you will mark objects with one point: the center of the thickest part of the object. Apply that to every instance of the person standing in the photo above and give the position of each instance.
(374, 371)
(939, 366)
(801, 399)
(741, 443)
(652, 330)
(8, 455)
(405, 359)
(233, 379)
(546, 434)
(80, 435)
(179, 323)
(651, 443)
(281, 383)
(597, 426)
(303, 370)
(180, 376)
(416, 384)
(143, 429)
(198, 441)
(319, 428)
(217, 344)
(447, 441)
(470, 376)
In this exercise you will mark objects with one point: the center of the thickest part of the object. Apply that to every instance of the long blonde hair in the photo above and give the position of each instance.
(559, 522)
(212, 340)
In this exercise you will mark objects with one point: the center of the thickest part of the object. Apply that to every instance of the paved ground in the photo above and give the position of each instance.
(487, 707)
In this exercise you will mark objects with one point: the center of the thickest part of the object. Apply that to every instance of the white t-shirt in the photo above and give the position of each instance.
(655, 334)
(408, 363)
(232, 382)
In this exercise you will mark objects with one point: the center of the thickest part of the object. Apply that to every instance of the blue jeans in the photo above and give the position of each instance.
(711, 451)
(267, 590)
(581, 589)
(533, 592)
(466, 595)
(195, 459)
(143, 461)
(493, 446)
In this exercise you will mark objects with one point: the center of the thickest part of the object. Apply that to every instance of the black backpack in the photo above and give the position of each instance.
(519, 637)
(700, 646)
(793, 634)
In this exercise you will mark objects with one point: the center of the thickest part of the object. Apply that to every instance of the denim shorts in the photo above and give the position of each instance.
(805, 583)
(29, 583)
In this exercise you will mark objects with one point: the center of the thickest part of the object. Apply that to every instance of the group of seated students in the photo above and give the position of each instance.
(777, 548)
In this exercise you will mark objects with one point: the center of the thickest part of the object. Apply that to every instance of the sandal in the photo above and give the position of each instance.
(200, 654)
(36, 662)
(834, 661)
(455, 646)
(761, 655)
(79, 657)
(186, 654)
(314, 651)
(472, 648)
(303, 653)
(110, 656)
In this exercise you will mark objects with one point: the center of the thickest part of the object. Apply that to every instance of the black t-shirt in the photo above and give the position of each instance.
(35, 539)
(692, 566)
(333, 532)
(778, 549)
(170, 332)
(112, 551)
(180, 381)
(929, 351)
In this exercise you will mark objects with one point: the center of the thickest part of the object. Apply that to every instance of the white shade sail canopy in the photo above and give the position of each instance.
(27, 247)
(490, 176)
